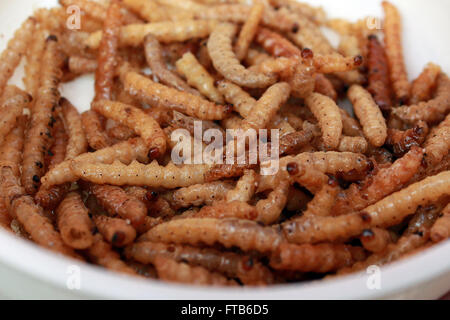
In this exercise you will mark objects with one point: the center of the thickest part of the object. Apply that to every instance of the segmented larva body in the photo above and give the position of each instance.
(82, 65)
(394, 52)
(350, 126)
(167, 31)
(320, 258)
(369, 114)
(38, 135)
(315, 14)
(200, 194)
(116, 231)
(33, 63)
(376, 240)
(327, 113)
(240, 99)
(93, 128)
(228, 209)
(125, 152)
(180, 272)
(117, 202)
(245, 188)
(248, 31)
(16, 48)
(323, 202)
(422, 87)
(324, 86)
(269, 210)
(136, 119)
(353, 144)
(437, 144)
(148, 10)
(152, 175)
(11, 149)
(336, 63)
(276, 44)
(224, 60)
(159, 95)
(441, 229)
(244, 234)
(431, 111)
(74, 223)
(77, 143)
(402, 141)
(13, 102)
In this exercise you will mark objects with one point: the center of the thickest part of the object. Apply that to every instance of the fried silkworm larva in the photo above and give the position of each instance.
(245, 188)
(248, 270)
(74, 223)
(376, 239)
(11, 149)
(101, 253)
(115, 230)
(269, 210)
(437, 144)
(180, 272)
(378, 74)
(38, 135)
(136, 119)
(320, 258)
(267, 106)
(383, 183)
(351, 126)
(13, 102)
(155, 60)
(117, 202)
(353, 144)
(125, 151)
(369, 114)
(240, 99)
(16, 48)
(77, 143)
(387, 212)
(148, 10)
(327, 113)
(422, 87)
(158, 95)
(228, 209)
(30, 216)
(221, 171)
(224, 60)
(431, 111)
(82, 65)
(248, 31)
(401, 142)
(200, 194)
(33, 62)
(244, 234)
(335, 63)
(323, 201)
(93, 127)
(152, 175)
(315, 14)
(394, 52)
(325, 87)
(166, 32)
(441, 229)
(198, 77)
(276, 44)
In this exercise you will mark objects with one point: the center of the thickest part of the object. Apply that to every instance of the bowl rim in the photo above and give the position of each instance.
(96, 282)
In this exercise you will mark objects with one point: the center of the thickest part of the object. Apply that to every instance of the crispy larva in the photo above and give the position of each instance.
(267, 106)
(387, 212)
(115, 230)
(276, 44)
(228, 209)
(437, 144)
(33, 62)
(394, 52)
(351, 126)
(11, 149)
(77, 143)
(152, 175)
(441, 229)
(126, 152)
(159, 95)
(376, 239)
(166, 32)
(248, 270)
(29, 215)
(422, 87)
(37, 137)
(224, 60)
(82, 65)
(335, 63)
(220, 171)
(353, 144)
(323, 201)
(248, 31)
(327, 113)
(245, 188)
(136, 119)
(378, 74)
(13, 102)
(200, 194)
(117, 202)
(183, 121)
(315, 14)
(431, 111)
(320, 258)
(180, 272)
(369, 114)
(325, 87)
(198, 77)
(240, 99)
(16, 48)
(102, 254)
(93, 127)
(107, 56)
(401, 142)
(383, 183)
(244, 234)
(155, 60)
(148, 10)
(74, 223)
(269, 210)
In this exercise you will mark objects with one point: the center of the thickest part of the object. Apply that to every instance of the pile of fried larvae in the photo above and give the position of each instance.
(351, 191)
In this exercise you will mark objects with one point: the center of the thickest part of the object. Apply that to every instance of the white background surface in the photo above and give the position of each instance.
(29, 272)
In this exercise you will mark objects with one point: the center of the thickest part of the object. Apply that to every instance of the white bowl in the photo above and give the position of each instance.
(28, 271)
